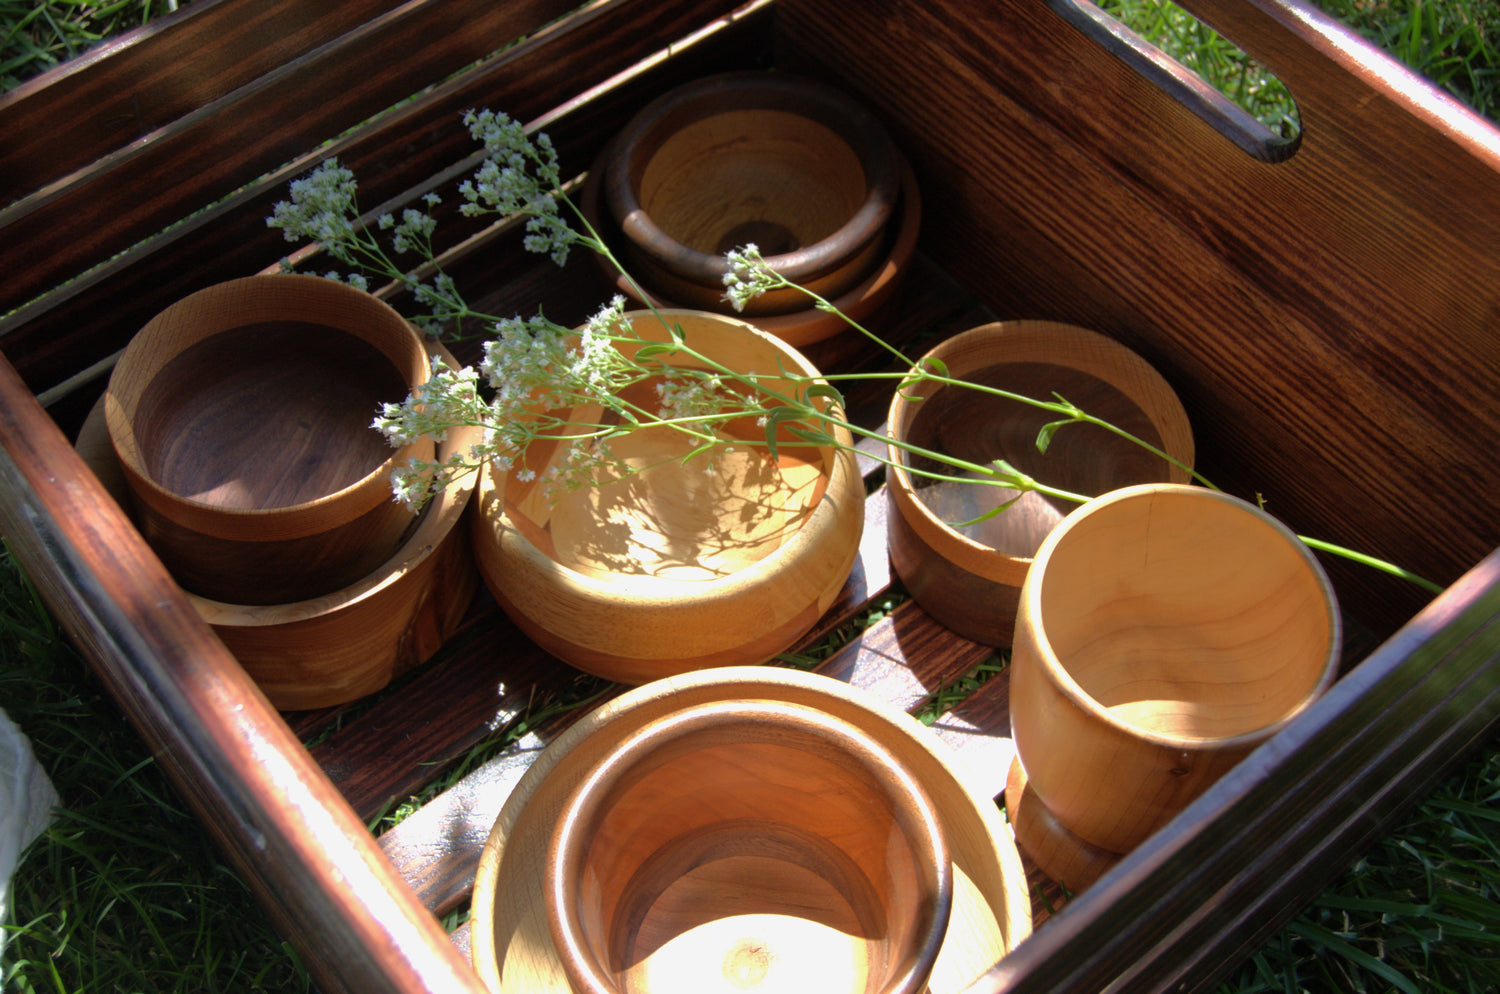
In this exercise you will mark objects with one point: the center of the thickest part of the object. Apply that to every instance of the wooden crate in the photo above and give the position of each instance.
(1330, 317)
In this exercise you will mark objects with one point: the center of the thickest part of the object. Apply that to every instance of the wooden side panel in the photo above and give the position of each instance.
(1332, 322)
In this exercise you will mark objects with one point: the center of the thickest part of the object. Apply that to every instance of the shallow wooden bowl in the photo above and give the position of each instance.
(1164, 632)
(241, 418)
(746, 845)
(968, 576)
(676, 567)
(790, 164)
(799, 327)
(352, 642)
(512, 947)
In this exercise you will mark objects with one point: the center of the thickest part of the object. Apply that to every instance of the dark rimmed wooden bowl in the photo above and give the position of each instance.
(241, 418)
(792, 165)
(749, 845)
(968, 576)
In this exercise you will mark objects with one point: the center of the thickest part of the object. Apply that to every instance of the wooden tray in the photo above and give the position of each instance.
(1327, 317)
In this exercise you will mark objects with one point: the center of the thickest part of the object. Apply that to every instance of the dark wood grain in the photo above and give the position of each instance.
(258, 792)
(1282, 301)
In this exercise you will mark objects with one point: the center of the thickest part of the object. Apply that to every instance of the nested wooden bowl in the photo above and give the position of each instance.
(684, 564)
(512, 946)
(746, 845)
(241, 418)
(797, 168)
(968, 576)
(798, 327)
(1164, 632)
(352, 642)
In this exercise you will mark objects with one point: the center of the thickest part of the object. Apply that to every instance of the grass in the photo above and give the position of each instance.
(125, 893)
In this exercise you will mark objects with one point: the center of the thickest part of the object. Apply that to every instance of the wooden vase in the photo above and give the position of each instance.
(748, 845)
(241, 419)
(1164, 632)
(968, 576)
(789, 164)
(687, 563)
(512, 942)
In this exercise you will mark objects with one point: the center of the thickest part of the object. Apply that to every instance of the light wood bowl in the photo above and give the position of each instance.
(512, 947)
(241, 418)
(798, 327)
(1165, 631)
(968, 576)
(748, 845)
(677, 568)
(790, 164)
(352, 642)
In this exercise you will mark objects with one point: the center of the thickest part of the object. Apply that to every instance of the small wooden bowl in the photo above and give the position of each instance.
(675, 568)
(241, 418)
(352, 642)
(748, 845)
(1164, 632)
(796, 328)
(512, 948)
(968, 576)
(792, 165)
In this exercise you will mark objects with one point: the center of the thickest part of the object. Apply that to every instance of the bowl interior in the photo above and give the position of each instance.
(266, 415)
(1186, 614)
(771, 177)
(981, 428)
(676, 515)
(751, 846)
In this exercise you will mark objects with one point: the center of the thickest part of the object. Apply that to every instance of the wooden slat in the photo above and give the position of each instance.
(67, 331)
(300, 849)
(1284, 302)
(175, 64)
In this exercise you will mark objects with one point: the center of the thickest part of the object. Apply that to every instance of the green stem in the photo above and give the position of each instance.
(1372, 562)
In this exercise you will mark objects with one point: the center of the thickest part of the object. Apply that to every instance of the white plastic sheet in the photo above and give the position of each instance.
(27, 798)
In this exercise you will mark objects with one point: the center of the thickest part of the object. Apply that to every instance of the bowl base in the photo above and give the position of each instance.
(1065, 858)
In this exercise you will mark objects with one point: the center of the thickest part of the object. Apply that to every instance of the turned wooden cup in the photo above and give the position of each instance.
(968, 576)
(241, 418)
(795, 167)
(748, 845)
(1165, 631)
(691, 560)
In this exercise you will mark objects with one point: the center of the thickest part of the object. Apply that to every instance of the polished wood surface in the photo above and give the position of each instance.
(662, 571)
(241, 419)
(968, 572)
(1324, 316)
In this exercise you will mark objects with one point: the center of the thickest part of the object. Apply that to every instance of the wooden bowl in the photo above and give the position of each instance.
(968, 576)
(512, 947)
(799, 327)
(676, 568)
(1164, 632)
(347, 644)
(241, 417)
(746, 845)
(794, 166)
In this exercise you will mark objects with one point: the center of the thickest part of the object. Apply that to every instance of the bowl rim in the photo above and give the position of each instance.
(290, 521)
(774, 721)
(753, 89)
(1050, 668)
(1037, 337)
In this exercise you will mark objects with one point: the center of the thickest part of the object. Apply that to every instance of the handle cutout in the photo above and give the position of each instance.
(1202, 69)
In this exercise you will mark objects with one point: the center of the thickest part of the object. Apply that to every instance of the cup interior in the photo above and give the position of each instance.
(749, 845)
(1185, 614)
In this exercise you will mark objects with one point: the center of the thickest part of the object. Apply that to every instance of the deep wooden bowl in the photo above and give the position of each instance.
(798, 327)
(512, 947)
(677, 568)
(792, 165)
(968, 576)
(1164, 632)
(746, 845)
(241, 418)
(352, 642)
